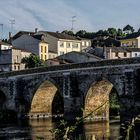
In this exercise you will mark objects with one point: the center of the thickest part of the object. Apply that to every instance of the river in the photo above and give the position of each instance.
(39, 129)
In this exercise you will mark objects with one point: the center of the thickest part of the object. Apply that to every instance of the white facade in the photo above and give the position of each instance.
(62, 43)
(85, 43)
(65, 46)
(10, 59)
(135, 54)
(138, 41)
(5, 46)
(36, 46)
(132, 42)
(52, 55)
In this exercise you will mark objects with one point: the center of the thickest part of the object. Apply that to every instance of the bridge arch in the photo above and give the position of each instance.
(98, 95)
(46, 100)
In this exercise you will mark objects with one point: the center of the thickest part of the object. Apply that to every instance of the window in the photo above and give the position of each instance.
(17, 58)
(87, 43)
(45, 57)
(15, 67)
(45, 49)
(116, 54)
(136, 55)
(61, 44)
(41, 56)
(18, 67)
(75, 45)
(125, 54)
(133, 43)
(68, 45)
(41, 48)
(83, 43)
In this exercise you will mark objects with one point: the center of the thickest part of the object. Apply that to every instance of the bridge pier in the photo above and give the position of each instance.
(72, 108)
(72, 102)
(128, 115)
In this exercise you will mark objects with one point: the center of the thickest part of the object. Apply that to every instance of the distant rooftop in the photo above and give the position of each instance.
(18, 34)
(60, 35)
(4, 43)
(78, 57)
(40, 37)
(133, 49)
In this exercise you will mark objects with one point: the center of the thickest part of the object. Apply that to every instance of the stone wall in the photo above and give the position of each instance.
(127, 61)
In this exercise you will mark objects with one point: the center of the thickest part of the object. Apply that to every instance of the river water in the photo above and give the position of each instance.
(39, 129)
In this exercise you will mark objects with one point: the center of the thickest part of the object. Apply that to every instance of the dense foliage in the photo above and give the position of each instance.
(114, 103)
(110, 32)
(32, 61)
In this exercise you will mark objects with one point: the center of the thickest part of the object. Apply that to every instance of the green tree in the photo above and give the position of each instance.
(112, 32)
(67, 32)
(128, 29)
(32, 61)
(81, 33)
(120, 33)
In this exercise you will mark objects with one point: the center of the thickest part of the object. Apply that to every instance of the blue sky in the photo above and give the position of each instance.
(56, 15)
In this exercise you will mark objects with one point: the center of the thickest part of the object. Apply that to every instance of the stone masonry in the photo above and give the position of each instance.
(24, 90)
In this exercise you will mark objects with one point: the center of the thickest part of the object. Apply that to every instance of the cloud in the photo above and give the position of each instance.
(56, 15)
(53, 15)
(23, 19)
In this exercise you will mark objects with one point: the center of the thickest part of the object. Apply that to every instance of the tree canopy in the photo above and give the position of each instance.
(67, 32)
(128, 29)
(110, 32)
(32, 61)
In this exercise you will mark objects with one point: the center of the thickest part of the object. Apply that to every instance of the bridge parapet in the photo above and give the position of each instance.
(102, 63)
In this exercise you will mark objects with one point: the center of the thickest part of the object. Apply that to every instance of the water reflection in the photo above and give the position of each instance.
(41, 129)
(97, 130)
(37, 129)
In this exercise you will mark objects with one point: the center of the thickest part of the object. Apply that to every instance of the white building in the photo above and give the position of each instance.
(62, 43)
(114, 52)
(131, 40)
(33, 43)
(10, 59)
(5, 46)
(135, 52)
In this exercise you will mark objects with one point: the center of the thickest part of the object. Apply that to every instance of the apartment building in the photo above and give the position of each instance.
(33, 43)
(131, 40)
(49, 45)
(5, 46)
(62, 43)
(10, 59)
(115, 52)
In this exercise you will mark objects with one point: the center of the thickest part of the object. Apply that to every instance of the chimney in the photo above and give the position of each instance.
(36, 30)
(104, 52)
(10, 35)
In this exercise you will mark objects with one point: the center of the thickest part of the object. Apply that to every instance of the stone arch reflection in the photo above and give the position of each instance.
(98, 94)
(45, 97)
(99, 124)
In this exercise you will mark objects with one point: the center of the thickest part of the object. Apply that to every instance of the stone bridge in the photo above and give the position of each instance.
(73, 90)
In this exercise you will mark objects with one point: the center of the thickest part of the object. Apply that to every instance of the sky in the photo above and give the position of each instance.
(56, 15)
